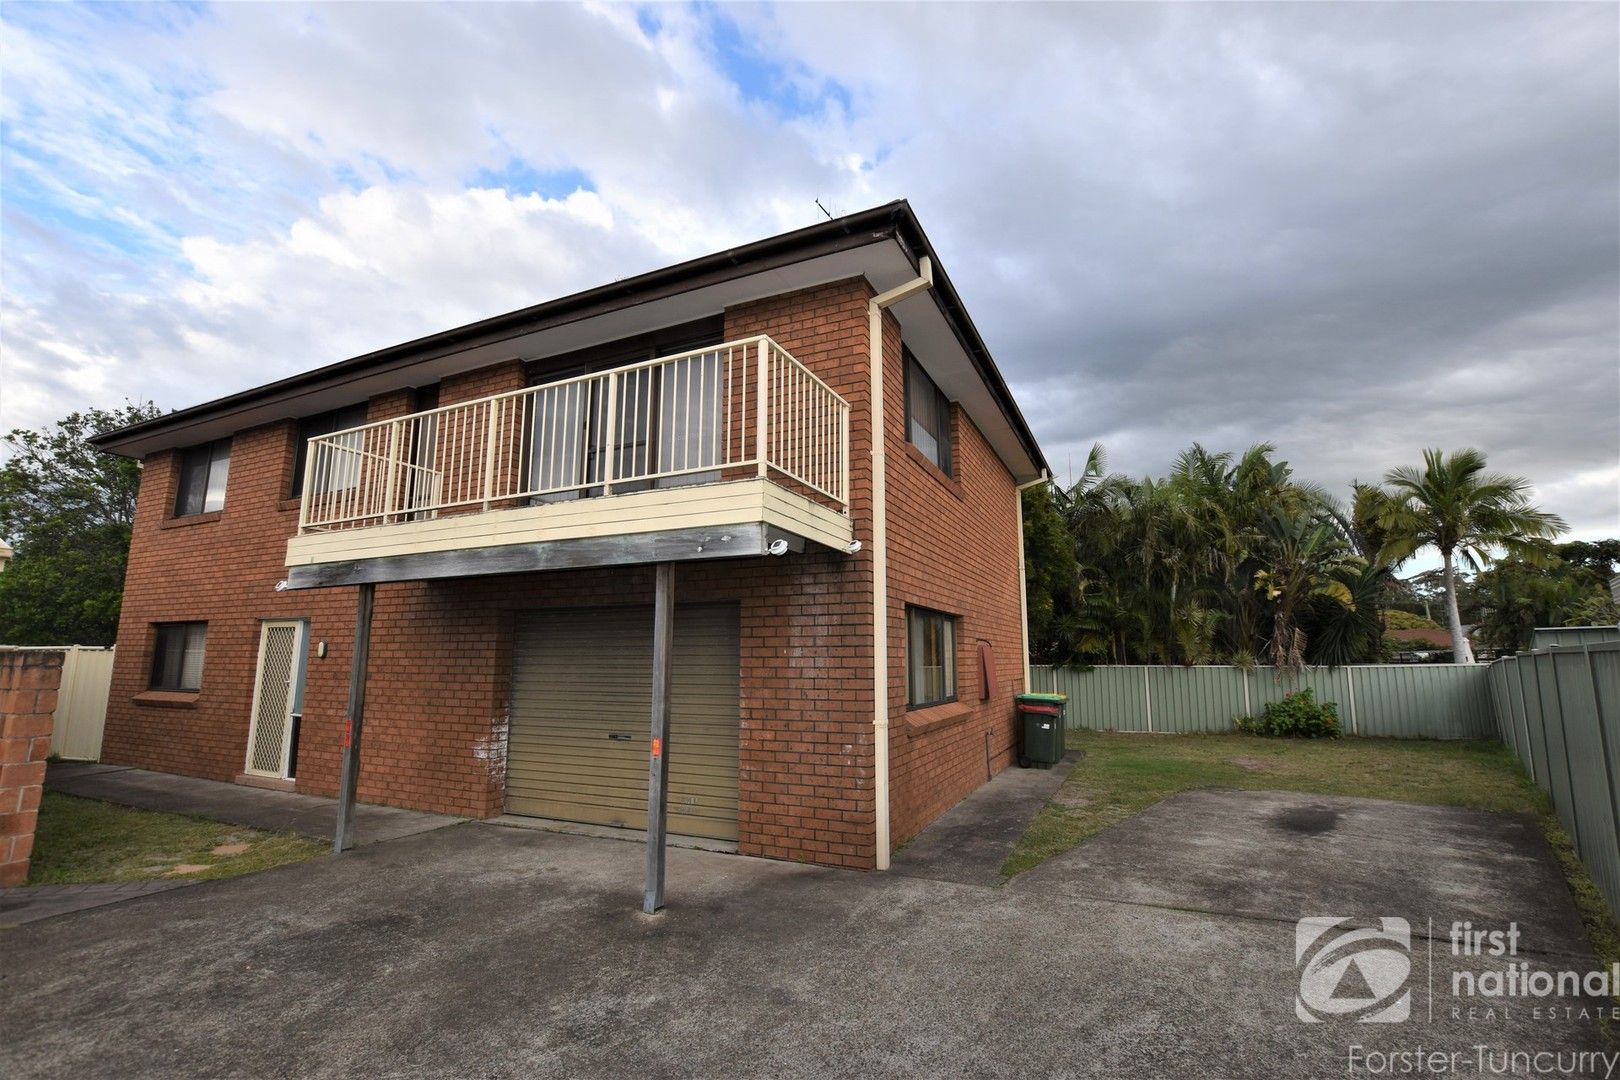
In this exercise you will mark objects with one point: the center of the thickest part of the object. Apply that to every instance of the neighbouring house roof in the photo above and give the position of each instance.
(884, 244)
(1440, 639)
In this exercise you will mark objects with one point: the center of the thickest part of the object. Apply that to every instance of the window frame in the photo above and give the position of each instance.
(217, 456)
(944, 457)
(162, 644)
(329, 422)
(951, 678)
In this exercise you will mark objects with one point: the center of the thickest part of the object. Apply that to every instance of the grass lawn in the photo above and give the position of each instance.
(1122, 775)
(80, 841)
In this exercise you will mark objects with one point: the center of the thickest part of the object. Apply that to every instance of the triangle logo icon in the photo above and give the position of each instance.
(1353, 985)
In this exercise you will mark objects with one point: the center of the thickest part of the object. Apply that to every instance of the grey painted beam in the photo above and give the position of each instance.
(349, 778)
(658, 758)
(670, 545)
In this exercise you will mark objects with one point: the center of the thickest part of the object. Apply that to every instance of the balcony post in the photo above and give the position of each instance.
(762, 395)
(306, 495)
(489, 456)
(610, 445)
(392, 466)
(843, 457)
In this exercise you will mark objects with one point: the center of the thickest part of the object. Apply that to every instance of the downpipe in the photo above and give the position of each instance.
(880, 554)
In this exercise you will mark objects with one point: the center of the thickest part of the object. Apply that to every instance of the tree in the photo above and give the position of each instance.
(1305, 560)
(1051, 579)
(1070, 598)
(1453, 505)
(1567, 585)
(66, 509)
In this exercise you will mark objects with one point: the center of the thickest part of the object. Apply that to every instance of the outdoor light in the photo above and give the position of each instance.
(778, 547)
(854, 546)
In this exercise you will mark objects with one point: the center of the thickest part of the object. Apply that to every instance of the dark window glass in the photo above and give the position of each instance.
(177, 657)
(930, 657)
(569, 459)
(203, 472)
(928, 416)
(313, 427)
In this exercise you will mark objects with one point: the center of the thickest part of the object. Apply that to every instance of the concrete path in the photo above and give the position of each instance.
(1164, 949)
(1282, 856)
(970, 842)
(273, 811)
(30, 902)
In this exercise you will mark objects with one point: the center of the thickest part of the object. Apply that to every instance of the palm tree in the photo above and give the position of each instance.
(1305, 560)
(1454, 505)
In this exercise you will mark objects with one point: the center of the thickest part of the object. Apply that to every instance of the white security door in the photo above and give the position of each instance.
(281, 662)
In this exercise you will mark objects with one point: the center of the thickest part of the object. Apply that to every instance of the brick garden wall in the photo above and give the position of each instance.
(441, 651)
(29, 680)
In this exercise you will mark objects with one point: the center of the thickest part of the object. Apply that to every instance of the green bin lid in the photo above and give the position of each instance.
(1045, 699)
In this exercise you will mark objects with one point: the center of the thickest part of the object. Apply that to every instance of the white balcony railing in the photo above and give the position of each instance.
(744, 408)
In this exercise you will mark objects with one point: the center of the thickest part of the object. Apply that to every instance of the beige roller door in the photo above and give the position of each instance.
(581, 705)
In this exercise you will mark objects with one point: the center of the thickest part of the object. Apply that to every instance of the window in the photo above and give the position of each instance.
(669, 416)
(177, 658)
(928, 416)
(930, 657)
(203, 471)
(312, 427)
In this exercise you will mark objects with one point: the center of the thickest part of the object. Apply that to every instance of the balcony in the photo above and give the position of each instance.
(717, 452)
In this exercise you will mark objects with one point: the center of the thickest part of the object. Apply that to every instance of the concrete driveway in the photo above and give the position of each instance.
(1164, 948)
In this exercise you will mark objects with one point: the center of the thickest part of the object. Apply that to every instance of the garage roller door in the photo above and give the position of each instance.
(581, 706)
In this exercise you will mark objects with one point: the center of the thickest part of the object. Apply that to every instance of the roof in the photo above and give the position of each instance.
(1422, 636)
(863, 242)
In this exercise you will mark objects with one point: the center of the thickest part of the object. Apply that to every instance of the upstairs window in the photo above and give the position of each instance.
(203, 472)
(313, 427)
(928, 416)
(930, 657)
(177, 657)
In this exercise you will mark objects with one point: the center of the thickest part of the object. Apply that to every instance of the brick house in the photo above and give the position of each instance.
(493, 505)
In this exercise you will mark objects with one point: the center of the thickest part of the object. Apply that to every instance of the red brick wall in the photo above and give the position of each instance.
(953, 547)
(441, 651)
(29, 681)
(807, 763)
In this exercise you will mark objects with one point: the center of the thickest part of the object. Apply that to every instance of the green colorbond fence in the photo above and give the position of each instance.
(1558, 710)
(1543, 636)
(1409, 701)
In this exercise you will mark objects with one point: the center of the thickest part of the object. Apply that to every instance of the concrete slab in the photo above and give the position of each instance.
(608, 832)
(484, 951)
(1284, 856)
(274, 811)
(28, 903)
(970, 842)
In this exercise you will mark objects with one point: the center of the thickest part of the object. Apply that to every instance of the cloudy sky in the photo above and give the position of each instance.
(1353, 231)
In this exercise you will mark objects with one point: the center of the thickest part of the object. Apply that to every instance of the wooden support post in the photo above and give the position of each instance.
(658, 761)
(349, 779)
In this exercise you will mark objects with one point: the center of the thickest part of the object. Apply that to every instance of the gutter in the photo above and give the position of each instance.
(880, 554)
(1023, 581)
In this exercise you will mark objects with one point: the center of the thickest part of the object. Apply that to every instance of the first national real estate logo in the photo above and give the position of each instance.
(1353, 970)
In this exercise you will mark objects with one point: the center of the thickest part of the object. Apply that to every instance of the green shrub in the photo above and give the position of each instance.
(1297, 716)
(1405, 620)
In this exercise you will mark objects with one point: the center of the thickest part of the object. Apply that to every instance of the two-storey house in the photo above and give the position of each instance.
(805, 434)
